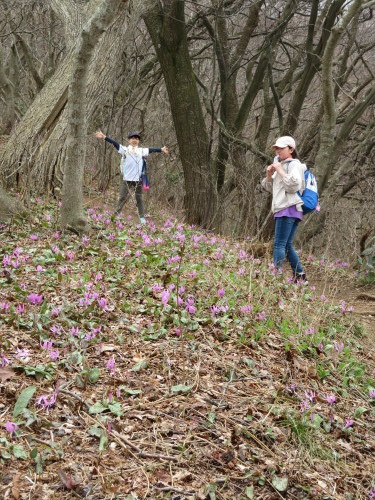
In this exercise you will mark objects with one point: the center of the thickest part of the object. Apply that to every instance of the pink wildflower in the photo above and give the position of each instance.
(111, 365)
(331, 399)
(35, 299)
(348, 423)
(11, 427)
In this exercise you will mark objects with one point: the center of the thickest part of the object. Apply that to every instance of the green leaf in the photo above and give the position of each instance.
(130, 392)
(98, 407)
(23, 400)
(248, 362)
(95, 431)
(103, 442)
(19, 452)
(317, 421)
(116, 408)
(93, 375)
(181, 389)
(140, 366)
(249, 492)
(280, 483)
(358, 412)
(34, 453)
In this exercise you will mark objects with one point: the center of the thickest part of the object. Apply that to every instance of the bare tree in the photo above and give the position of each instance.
(72, 215)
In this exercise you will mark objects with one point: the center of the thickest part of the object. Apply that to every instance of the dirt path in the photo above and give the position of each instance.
(346, 288)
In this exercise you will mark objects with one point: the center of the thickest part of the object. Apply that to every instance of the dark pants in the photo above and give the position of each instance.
(129, 188)
(285, 231)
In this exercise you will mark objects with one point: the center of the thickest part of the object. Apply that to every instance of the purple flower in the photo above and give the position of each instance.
(348, 423)
(215, 310)
(75, 331)
(70, 255)
(54, 354)
(261, 316)
(56, 311)
(22, 353)
(11, 427)
(103, 303)
(310, 396)
(190, 308)
(35, 299)
(111, 365)
(338, 347)
(20, 308)
(55, 329)
(304, 405)
(331, 399)
(46, 344)
(4, 361)
(221, 292)
(165, 297)
(372, 393)
(156, 288)
(179, 300)
(246, 309)
(34, 237)
(309, 331)
(219, 254)
(47, 400)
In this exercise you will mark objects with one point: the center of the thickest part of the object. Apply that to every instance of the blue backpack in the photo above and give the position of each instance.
(309, 196)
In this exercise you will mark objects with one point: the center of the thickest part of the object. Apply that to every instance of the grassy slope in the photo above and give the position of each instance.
(247, 386)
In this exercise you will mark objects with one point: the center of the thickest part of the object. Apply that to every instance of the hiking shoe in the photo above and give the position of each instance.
(300, 278)
(143, 220)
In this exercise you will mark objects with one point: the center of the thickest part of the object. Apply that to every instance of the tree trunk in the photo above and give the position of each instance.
(72, 214)
(168, 33)
(9, 206)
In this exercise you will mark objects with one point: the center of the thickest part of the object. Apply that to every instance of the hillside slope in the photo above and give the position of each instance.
(160, 361)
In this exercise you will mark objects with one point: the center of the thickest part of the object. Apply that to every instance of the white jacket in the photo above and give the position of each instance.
(284, 189)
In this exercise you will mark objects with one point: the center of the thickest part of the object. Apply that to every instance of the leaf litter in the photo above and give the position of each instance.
(161, 361)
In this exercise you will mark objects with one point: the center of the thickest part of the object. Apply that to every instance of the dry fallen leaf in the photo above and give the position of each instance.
(6, 373)
(16, 488)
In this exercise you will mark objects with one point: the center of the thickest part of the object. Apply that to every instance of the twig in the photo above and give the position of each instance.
(140, 452)
(175, 490)
(74, 395)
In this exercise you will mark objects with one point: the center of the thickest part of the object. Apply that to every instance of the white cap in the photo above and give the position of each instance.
(283, 142)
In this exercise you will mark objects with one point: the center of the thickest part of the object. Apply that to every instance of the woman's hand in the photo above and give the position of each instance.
(165, 150)
(99, 134)
(270, 171)
(278, 168)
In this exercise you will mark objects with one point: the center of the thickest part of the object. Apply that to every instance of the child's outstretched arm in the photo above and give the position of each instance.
(99, 134)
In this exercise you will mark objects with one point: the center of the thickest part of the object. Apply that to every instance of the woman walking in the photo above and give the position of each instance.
(284, 178)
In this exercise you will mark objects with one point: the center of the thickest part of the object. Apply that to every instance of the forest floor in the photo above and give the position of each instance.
(163, 362)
